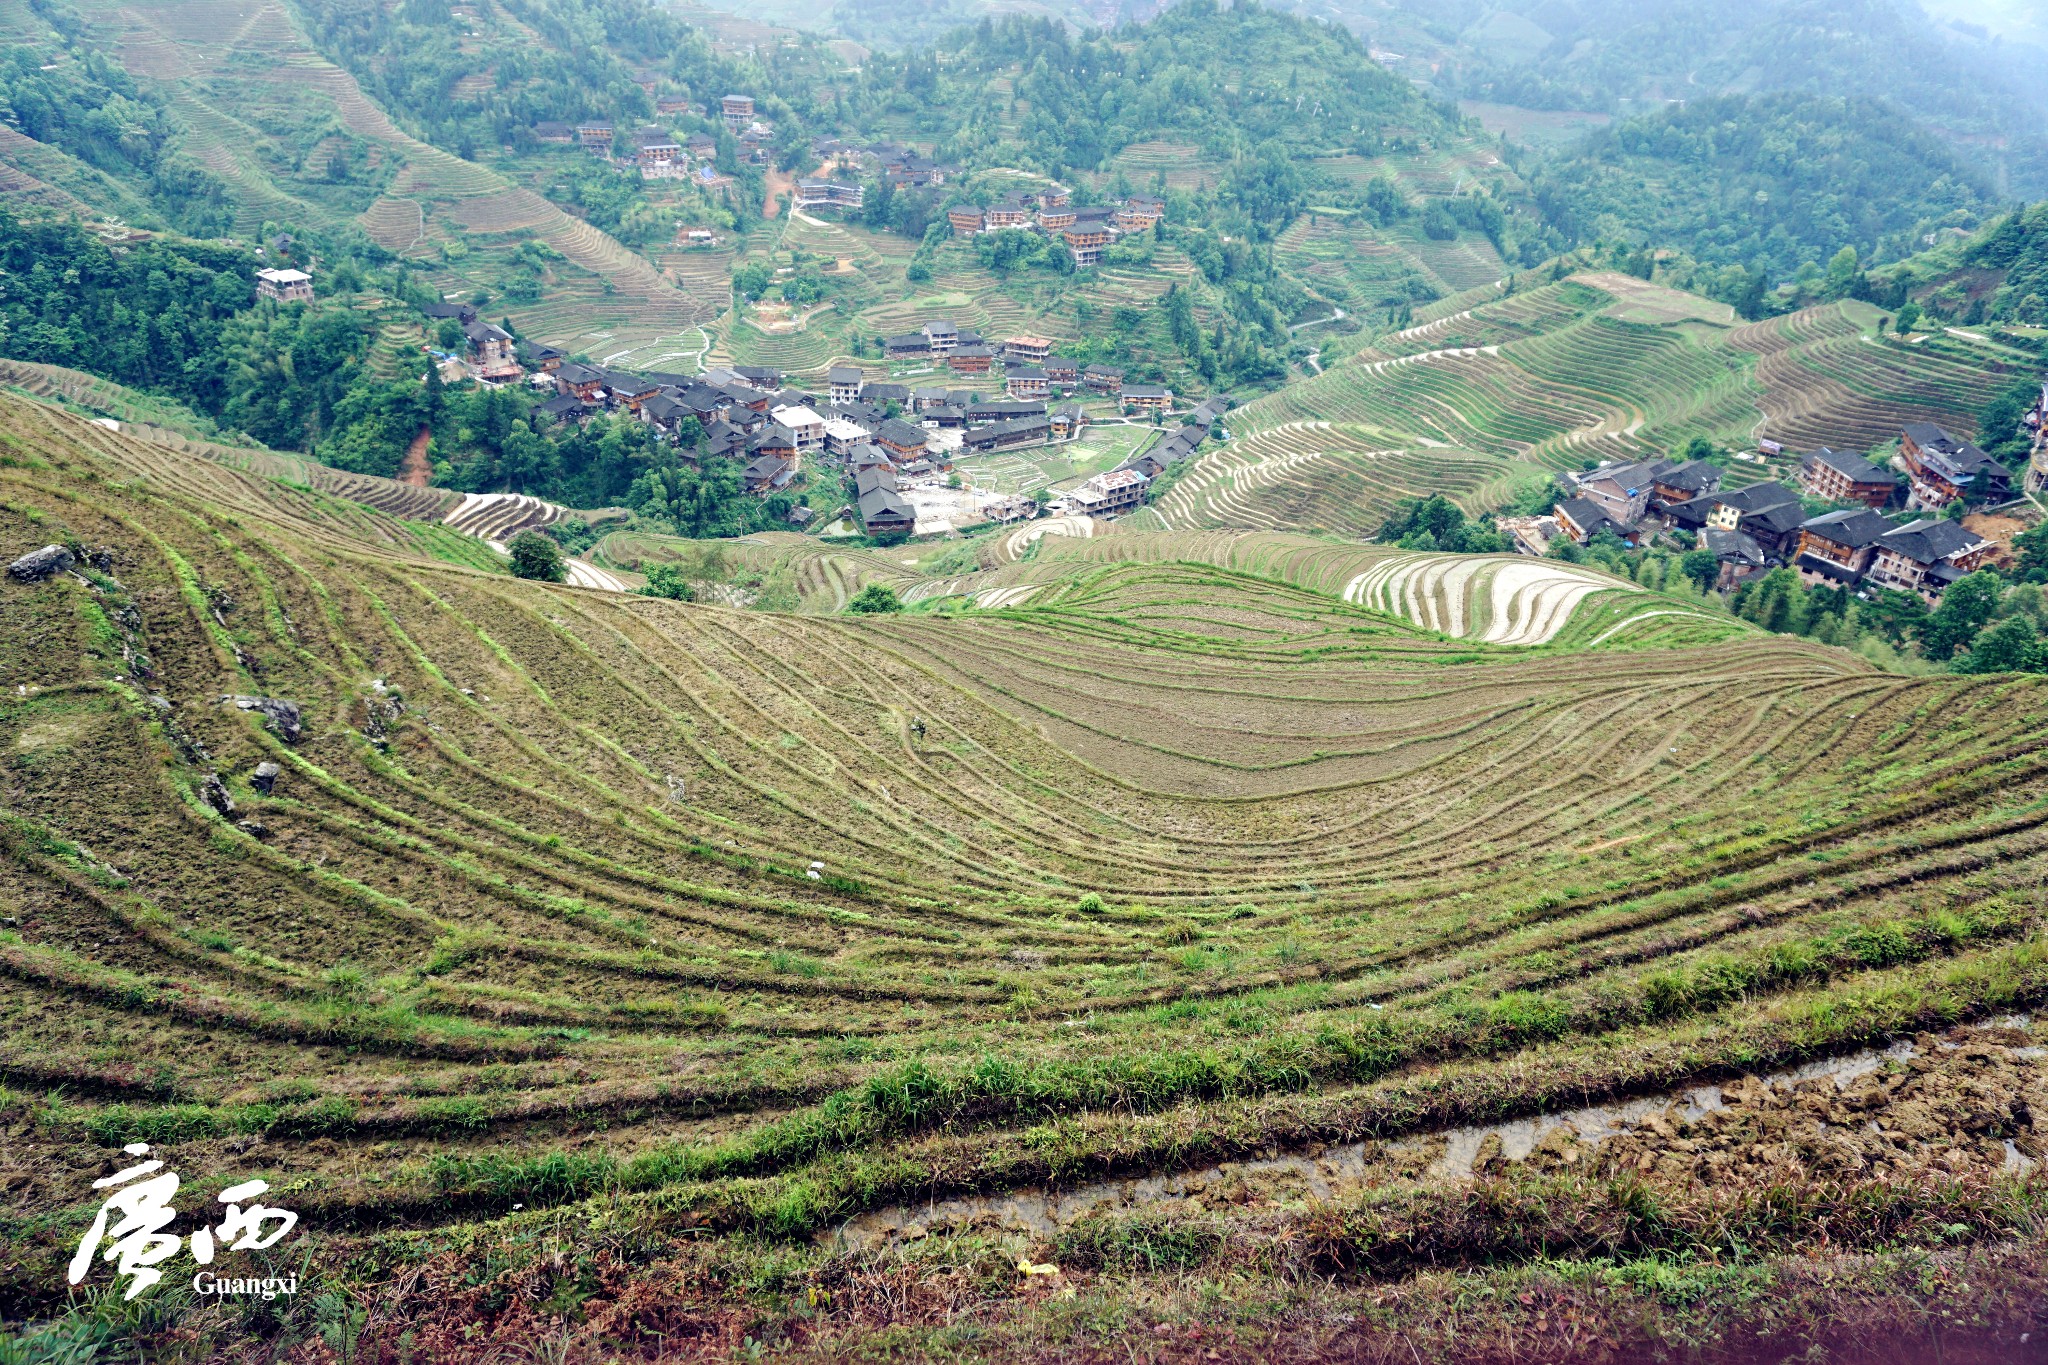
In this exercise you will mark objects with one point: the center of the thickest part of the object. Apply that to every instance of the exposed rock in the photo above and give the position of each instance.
(265, 777)
(37, 565)
(281, 716)
(215, 794)
(254, 829)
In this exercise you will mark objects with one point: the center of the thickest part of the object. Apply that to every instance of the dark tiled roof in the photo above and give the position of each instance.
(1852, 467)
(1929, 541)
(1854, 527)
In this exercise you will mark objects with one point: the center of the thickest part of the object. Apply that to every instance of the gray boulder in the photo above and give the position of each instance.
(281, 716)
(265, 777)
(215, 794)
(37, 565)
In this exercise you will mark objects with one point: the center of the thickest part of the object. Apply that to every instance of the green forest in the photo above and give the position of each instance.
(1767, 181)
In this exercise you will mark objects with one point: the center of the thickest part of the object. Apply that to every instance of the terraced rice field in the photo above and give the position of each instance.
(722, 928)
(1487, 396)
(1826, 383)
(1332, 478)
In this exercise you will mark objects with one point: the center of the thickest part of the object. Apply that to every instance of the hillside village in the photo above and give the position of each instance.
(1767, 525)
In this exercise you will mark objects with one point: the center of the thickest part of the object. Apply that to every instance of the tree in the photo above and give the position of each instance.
(535, 556)
(1701, 567)
(875, 600)
(751, 280)
(1909, 318)
(1841, 272)
(2011, 646)
(666, 580)
(1964, 609)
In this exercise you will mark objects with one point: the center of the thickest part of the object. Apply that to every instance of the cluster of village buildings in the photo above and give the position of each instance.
(888, 435)
(658, 154)
(1762, 526)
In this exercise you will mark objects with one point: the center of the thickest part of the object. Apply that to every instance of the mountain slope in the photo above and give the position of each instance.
(528, 908)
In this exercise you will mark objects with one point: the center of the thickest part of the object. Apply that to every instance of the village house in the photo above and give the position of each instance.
(595, 135)
(843, 382)
(284, 286)
(1838, 476)
(1003, 409)
(843, 436)
(941, 336)
(1773, 524)
(1056, 217)
(549, 130)
(700, 146)
(2036, 480)
(773, 439)
(1062, 371)
(966, 220)
(1725, 511)
(1012, 212)
(885, 393)
(1182, 443)
(828, 194)
(585, 382)
(1068, 422)
(737, 111)
(973, 359)
(883, 511)
(672, 104)
(1150, 463)
(1055, 197)
(767, 472)
(546, 359)
(806, 426)
(1087, 235)
(1151, 398)
(1210, 411)
(629, 390)
(1018, 431)
(491, 355)
(653, 148)
(928, 397)
(908, 346)
(1926, 556)
(1621, 491)
(1683, 482)
(1738, 555)
(1103, 379)
(1032, 350)
(765, 378)
(901, 440)
(564, 408)
(1110, 494)
(1026, 381)
(1582, 519)
(1837, 548)
(1139, 213)
(1942, 470)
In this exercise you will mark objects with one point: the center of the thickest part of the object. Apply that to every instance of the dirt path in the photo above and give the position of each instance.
(415, 468)
(779, 184)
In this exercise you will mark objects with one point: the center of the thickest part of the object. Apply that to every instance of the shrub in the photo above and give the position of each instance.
(875, 599)
(666, 580)
(537, 557)
(1091, 904)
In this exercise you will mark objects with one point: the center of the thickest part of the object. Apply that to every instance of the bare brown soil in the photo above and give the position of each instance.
(415, 468)
(779, 184)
